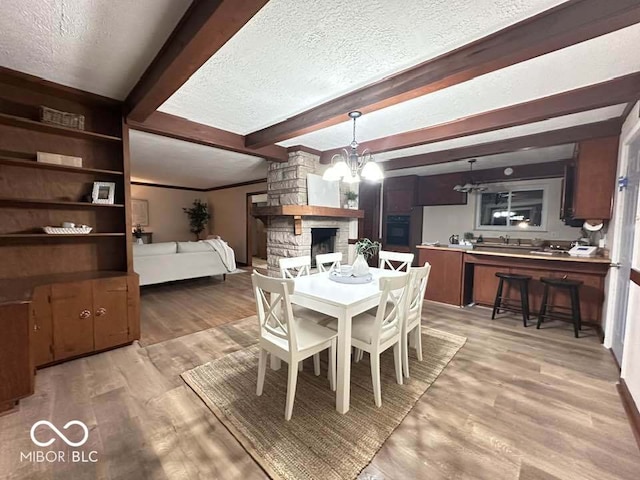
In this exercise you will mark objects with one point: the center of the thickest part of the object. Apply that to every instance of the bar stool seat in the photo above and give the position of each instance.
(501, 303)
(549, 311)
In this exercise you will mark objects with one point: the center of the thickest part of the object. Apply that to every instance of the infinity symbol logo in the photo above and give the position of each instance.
(59, 433)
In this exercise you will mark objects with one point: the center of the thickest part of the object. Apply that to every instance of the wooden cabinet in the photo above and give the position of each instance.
(400, 194)
(110, 312)
(72, 312)
(438, 190)
(485, 283)
(16, 372)
(446, 276)
(595, 178)
(41, 326)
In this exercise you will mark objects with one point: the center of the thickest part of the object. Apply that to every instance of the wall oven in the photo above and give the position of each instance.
(397, 228)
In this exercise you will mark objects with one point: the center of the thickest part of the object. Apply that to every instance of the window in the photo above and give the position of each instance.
(513, 207)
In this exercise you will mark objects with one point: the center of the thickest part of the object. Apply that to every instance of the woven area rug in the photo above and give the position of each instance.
(318, 442)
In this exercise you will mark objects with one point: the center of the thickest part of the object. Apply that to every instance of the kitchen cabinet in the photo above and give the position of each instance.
(594, 179)
(438, 190)
(400, 194)
(446, 276)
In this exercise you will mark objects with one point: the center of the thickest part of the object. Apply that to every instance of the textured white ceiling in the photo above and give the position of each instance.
(557, 123)
(523, 157)
(101, 46)
(156, 159)
(584, 64)
(296, 54)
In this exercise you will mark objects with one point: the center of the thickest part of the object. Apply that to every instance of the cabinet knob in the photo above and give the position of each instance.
(101, 311)
(85, 314)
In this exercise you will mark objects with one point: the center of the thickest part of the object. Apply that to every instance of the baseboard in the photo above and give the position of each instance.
(630, 408)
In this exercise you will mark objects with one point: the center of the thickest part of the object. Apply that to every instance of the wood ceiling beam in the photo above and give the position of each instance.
(180, 128)
(205, 27)
(562, 136)
(613, 92)
(568, 24)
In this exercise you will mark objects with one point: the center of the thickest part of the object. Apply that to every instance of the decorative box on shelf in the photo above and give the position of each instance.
(64, 119)
(57, 159)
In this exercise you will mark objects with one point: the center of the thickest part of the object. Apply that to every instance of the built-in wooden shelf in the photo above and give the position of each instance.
(41, 203)
(20, 162)
(65, 235)
(22, 122)
(306, 211)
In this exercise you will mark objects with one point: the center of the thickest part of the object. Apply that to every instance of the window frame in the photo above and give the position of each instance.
(514, 187)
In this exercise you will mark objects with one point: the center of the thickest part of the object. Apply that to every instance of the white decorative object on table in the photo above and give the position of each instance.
(360, 267)
(350, 279)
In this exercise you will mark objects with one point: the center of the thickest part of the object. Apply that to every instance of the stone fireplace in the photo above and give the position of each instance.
(293, 227)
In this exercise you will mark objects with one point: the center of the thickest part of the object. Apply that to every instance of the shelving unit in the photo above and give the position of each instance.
(15, 121)
(40, 203)
(48, 236)
(20, 162)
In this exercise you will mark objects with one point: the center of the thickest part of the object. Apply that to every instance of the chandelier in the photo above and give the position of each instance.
(470, 186)
(348, 166)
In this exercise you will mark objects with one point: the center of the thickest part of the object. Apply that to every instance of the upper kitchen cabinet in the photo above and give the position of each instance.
(438, 190)
(594, 178)
(400, 194)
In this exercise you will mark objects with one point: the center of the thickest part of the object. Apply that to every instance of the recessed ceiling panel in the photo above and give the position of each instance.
(100, 46)
(295, 54)
(163, 160)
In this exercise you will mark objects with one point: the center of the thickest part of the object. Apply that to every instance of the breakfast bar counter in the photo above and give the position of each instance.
(462, 276)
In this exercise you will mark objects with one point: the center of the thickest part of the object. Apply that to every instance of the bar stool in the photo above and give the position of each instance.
(573, 288)
(522, 282)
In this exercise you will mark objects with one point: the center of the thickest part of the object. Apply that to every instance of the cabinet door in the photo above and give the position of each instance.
(72, 311)
(595, 178)
(399, 201)
(111, 312)
(485, 284)
(41, 326)
(445, 278)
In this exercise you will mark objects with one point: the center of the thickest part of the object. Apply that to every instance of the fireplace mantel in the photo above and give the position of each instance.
(306, 211)
(299, 211)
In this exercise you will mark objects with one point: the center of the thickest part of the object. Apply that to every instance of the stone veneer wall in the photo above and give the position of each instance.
(287, 185)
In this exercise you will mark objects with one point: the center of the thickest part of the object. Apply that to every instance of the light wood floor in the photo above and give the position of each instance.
(514, 403)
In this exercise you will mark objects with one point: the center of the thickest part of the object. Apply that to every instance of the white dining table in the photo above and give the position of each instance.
(318, 292)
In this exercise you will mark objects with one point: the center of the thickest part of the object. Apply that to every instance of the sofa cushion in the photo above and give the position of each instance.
(163, 248)
(194, 247)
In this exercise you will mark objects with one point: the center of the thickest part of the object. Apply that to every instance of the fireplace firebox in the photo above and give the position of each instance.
(323, 240)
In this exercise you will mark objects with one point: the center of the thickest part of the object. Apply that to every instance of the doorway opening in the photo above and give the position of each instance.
(256, 232)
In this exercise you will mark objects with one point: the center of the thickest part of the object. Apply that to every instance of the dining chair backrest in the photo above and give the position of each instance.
(323, 259)
(295, 267)
(273, 305)
(387, 260)
(418, 279)
(389, 313)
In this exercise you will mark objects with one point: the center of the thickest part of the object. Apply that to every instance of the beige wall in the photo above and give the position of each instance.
(229, 211)
(167, 220)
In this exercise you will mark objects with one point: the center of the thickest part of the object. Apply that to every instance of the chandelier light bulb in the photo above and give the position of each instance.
(330, 174)
(351, 178)
(342, 169)
(372, 171)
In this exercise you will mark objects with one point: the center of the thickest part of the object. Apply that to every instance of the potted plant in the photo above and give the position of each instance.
(198, 217)
(351, 199)
(365, 249)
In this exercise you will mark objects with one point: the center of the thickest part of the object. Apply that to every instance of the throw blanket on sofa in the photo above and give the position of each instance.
(226, 253)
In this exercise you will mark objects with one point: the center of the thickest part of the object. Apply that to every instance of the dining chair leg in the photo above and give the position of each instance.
(332, 365)
(300, 366)
(262, 370)
(418, 334)
(397, 361)
(375, 377)
(358, 355)
(316, 364)
(291, 392)
(404, 351)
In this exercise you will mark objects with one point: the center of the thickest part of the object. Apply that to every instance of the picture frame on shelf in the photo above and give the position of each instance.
(140, 212)
(103, 192)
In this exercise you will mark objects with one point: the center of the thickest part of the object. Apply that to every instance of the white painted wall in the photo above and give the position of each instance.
(167, 220)
(440, 222)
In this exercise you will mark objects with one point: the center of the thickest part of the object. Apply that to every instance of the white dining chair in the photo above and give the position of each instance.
(375, 334)
(412, 313)
(323, 259)
(288, 337)
(387, 258)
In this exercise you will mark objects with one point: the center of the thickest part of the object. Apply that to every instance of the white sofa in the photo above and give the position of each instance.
(168, 261)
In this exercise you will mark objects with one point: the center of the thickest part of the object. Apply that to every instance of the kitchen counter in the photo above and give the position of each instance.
(461, 276)
(520, 253)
